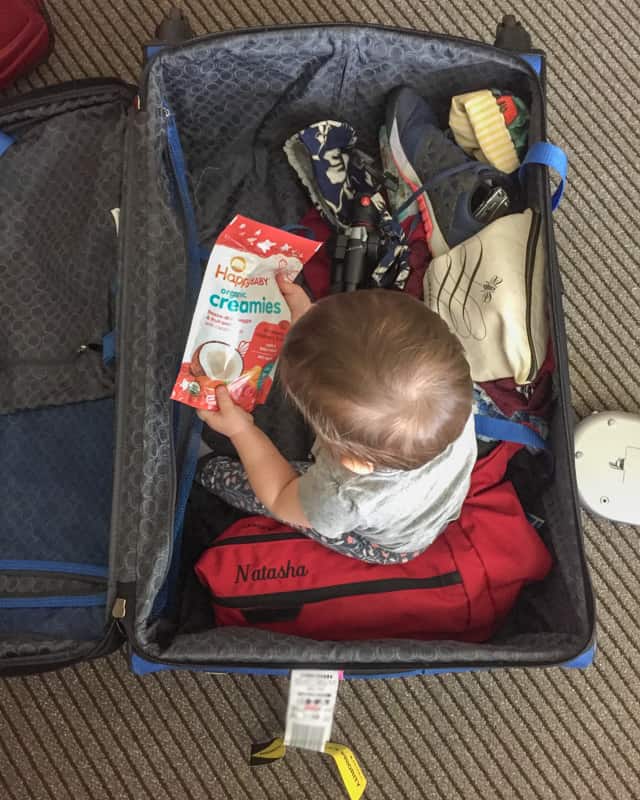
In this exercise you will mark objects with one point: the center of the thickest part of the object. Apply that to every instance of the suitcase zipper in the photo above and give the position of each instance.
(260, 537)
(298, 598)
(86, 573)
(211, 37)
(194, 275)
(72, 90)
(64, 568)
(54, 601)
(532, 245)
(119, 610)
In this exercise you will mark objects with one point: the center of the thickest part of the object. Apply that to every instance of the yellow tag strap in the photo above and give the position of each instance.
(267, 752)
(352, 776)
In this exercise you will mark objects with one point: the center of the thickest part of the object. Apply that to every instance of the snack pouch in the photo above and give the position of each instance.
(241, 318)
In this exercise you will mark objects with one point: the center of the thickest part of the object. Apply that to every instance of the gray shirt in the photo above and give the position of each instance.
(401, 510)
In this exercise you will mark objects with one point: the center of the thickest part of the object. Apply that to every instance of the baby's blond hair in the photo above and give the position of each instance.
(379, 377)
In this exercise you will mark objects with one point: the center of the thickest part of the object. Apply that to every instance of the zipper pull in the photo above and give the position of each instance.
(526, 390)
(119, 608)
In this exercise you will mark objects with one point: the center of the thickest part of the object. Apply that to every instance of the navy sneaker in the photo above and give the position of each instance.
(459, 195)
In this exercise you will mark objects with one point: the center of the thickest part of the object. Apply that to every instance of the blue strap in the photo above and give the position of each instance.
(151, 50)
(67, 567)
(549, 155)
(166, 596)
(439, 177)
(5, 142)
(205, 252)
(109, 348)
(534, 60)
(63, 601)
(504, 430)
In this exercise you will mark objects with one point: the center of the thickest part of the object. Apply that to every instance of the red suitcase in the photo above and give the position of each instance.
(24, 38)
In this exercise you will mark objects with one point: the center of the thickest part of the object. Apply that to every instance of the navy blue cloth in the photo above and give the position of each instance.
(82, 624)
(55, 494)
(335, 172)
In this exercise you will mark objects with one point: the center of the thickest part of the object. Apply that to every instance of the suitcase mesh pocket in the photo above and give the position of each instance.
(53, 599)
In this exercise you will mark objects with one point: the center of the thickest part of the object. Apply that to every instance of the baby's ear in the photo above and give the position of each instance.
(357, 466)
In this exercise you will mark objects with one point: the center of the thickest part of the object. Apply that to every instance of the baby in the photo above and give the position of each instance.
(387, 391)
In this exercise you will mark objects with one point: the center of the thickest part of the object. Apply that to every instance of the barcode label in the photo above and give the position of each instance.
(311, 737)
(312, 700)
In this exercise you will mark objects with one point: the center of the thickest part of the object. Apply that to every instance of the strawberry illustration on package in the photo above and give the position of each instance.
(241, 318)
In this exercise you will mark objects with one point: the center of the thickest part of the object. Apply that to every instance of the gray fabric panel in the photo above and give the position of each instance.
(261, 648)
(58, 184)
(149, 346)
(17, 584)
(41, 648)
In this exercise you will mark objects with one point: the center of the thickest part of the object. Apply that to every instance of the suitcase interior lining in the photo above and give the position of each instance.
(59, 183)
(236, 100)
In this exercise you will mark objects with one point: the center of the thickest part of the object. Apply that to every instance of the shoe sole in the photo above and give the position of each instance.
(435, 239)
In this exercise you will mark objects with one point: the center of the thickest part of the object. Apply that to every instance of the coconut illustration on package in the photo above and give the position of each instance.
(241, 318)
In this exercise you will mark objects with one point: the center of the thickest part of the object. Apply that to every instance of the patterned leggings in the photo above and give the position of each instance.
(226, 478)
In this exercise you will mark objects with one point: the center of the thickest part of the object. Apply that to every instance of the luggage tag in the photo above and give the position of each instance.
(310, 709)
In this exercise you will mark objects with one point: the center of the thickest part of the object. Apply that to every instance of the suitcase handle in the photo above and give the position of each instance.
(512, 35)
(171, 31)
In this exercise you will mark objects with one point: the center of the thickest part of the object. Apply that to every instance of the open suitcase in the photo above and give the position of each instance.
(97, 463)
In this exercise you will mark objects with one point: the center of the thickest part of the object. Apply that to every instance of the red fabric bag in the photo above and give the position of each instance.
(24, 38)
(262, 573)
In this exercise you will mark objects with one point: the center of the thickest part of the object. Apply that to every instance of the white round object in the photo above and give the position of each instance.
(607, 459)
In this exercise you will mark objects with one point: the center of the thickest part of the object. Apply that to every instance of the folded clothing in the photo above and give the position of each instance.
(490, 126)
(490, 291)
(265, 574)
(484, 406)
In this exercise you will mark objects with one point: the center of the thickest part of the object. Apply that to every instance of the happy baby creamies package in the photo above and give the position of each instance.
(241, 318)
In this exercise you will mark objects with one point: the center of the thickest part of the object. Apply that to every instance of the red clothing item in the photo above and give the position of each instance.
(265, 574)
(419, 258)
(317, 271)
(536, 400)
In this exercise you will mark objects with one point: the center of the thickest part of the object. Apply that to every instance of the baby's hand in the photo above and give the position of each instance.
(230, 420)
(295, 296)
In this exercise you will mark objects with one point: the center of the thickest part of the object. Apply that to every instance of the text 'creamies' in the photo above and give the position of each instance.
(241, 319)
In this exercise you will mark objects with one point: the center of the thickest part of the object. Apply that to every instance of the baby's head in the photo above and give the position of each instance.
(379, 377)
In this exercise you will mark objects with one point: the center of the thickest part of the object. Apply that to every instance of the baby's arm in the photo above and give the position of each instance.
(272, 478)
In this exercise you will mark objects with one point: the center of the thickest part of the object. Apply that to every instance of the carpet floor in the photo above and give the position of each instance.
(96, 731)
